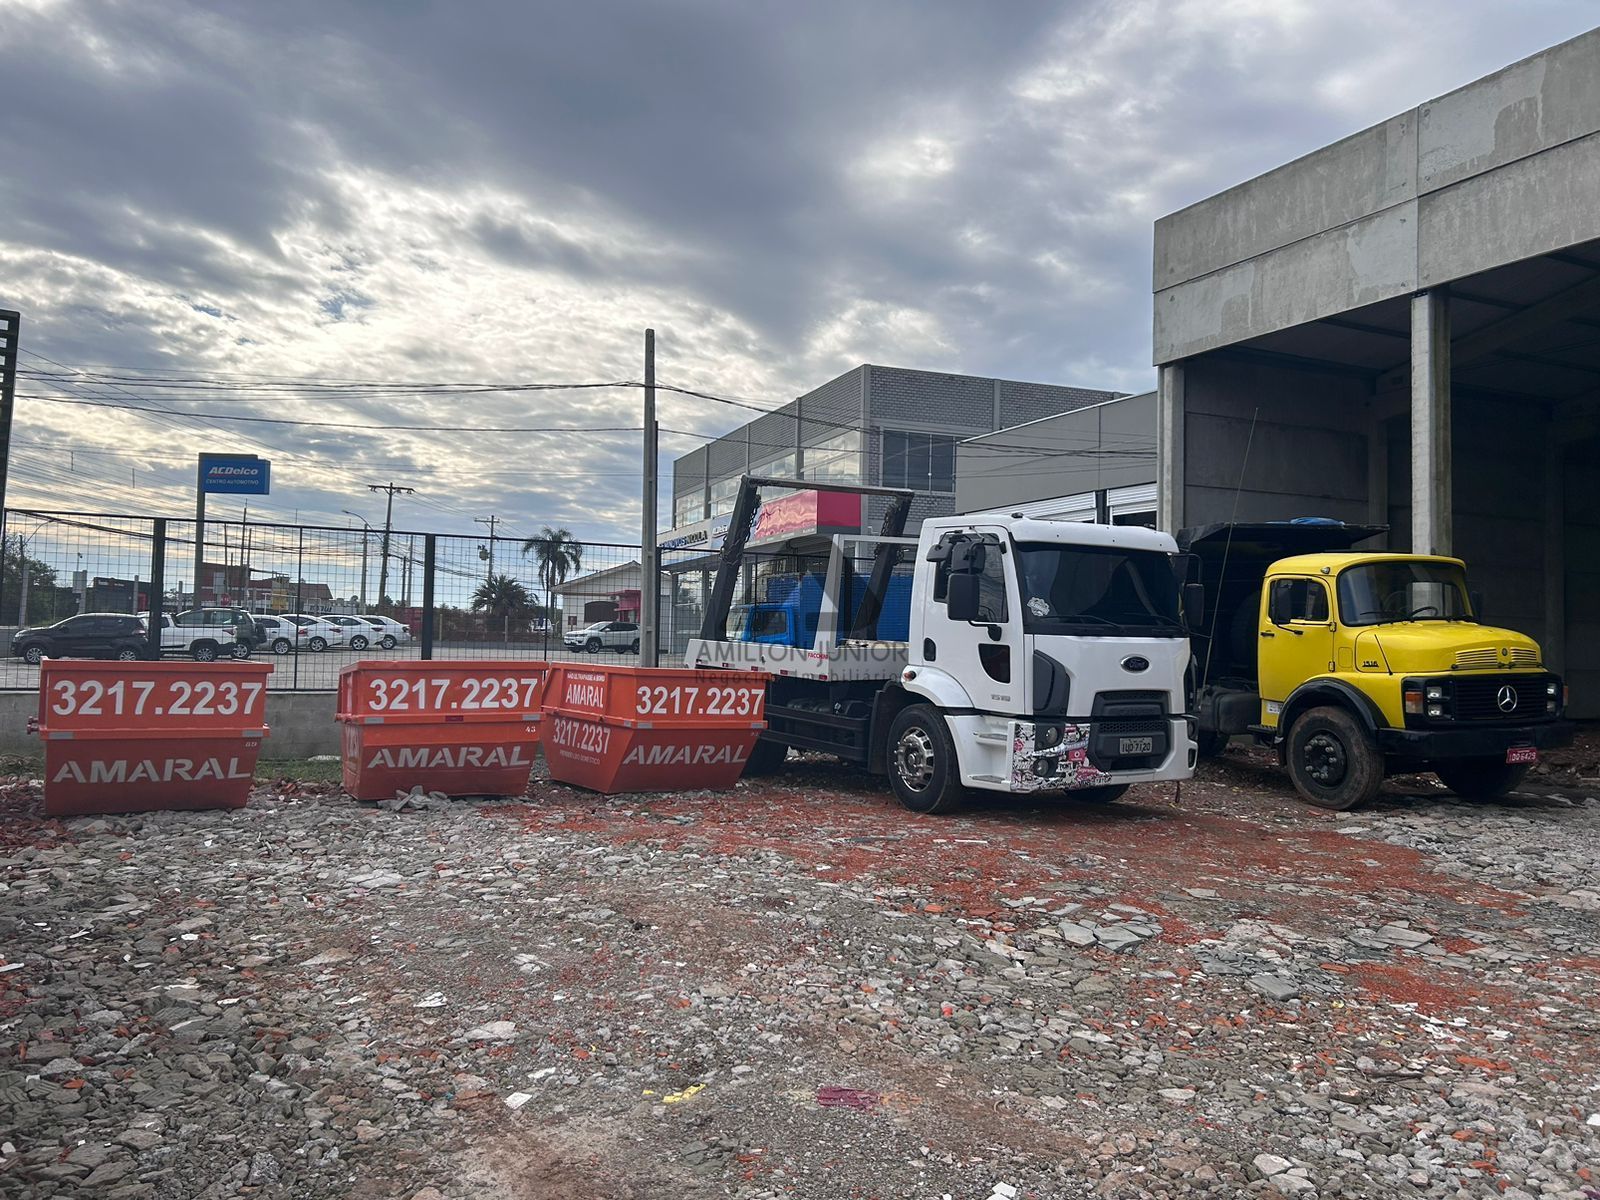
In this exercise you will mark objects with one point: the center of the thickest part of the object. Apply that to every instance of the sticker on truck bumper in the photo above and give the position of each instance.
(1058, 768)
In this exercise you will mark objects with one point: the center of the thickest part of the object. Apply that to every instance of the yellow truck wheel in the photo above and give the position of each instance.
(1332, 760)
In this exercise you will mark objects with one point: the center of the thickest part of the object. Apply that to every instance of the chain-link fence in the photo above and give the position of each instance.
(317, 597)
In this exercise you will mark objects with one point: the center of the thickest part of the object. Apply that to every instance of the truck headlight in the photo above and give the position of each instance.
(1435, 692)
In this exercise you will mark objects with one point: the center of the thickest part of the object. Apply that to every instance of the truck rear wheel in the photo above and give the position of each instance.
(922, 762)
(1332, 760)
(1480, 778)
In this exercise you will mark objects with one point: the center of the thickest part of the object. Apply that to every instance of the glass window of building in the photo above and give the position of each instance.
(778, 468)
(837, 460)
(723, 494)
(689, 508)
(923, 462)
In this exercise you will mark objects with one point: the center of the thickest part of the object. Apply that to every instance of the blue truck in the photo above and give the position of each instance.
(788, 615)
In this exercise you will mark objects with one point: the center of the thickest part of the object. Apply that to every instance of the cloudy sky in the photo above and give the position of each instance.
(417, 192)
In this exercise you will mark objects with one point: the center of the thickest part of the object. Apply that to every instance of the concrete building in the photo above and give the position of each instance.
(1404, 327)
(1096, 463)
(874, 425)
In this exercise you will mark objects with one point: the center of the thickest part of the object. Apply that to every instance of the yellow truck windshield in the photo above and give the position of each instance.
(1403, 590)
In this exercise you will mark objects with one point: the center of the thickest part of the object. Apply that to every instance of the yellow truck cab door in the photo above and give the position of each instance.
(1296, 636)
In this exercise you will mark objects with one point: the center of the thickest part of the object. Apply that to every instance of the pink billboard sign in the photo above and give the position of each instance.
(806, 514)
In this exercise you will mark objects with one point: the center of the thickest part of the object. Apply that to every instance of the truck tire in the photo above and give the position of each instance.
(1481, 778)
(1108, 794)
(922, 762)
(766, 758)
(203, 652)
(1332, 760)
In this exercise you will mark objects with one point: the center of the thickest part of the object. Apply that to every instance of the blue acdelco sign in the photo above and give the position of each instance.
(235, 474)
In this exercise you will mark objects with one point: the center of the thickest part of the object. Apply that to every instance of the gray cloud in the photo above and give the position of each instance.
(498, 190)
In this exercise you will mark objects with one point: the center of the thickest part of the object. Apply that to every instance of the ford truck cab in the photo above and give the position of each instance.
(1357, 665)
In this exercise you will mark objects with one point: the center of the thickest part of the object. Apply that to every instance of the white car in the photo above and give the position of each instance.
(358, 634)
(315, 633)
(280, 636)
(621, 636)
(388, 632)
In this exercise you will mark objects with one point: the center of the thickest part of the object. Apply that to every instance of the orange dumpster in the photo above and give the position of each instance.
(134, 736)
(464, 727)
(651, 729)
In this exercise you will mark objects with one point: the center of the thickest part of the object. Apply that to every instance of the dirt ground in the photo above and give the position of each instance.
(796, 989)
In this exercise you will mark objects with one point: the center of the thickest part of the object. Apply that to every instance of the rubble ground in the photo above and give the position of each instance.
(796, 989)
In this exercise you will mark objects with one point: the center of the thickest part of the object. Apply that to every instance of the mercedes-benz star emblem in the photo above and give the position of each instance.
(1506, 698)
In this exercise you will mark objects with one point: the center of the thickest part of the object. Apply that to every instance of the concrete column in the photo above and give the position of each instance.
(1169, 447)
(1554, 642)
(1431, 488)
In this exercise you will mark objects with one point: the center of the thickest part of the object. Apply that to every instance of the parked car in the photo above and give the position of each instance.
(390, 633)
(315, 633)
(358, 634)
(203, 643)
(121, 636)
(231, 626)
(281, 636)
(621, 636)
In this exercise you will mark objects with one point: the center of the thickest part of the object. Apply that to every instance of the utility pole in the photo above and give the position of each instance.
(490, 521)
(649, 556)
(388, 524)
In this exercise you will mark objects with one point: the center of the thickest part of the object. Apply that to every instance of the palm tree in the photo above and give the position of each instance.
(560, 556)
(503, 597)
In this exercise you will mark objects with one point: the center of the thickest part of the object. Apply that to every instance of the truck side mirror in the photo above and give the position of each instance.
(1194, 605)
(961, 597)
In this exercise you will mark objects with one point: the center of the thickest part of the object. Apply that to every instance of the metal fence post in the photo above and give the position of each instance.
(299, 586)
(158, 586)
(427, 594)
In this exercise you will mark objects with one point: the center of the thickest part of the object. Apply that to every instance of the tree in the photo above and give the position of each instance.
(503, 597)
(41, 578)
(559, 555)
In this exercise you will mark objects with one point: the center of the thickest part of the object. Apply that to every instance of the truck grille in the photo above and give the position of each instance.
(1484, 699)
(1487, 659)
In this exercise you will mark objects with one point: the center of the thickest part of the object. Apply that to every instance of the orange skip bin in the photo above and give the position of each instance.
(135, 736)
(651, 729)
(464, 727)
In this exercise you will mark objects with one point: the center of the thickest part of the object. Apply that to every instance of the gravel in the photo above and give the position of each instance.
(796, 989)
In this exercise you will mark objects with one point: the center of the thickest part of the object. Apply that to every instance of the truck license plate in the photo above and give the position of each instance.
(1522, 754)
(1140, 745)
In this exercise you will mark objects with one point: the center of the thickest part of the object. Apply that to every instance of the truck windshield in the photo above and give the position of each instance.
(1104, 590)
(1403, 590)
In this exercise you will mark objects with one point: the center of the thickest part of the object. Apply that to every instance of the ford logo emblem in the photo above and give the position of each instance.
(1135, 662)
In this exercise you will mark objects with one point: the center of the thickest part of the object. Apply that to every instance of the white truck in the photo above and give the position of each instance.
(1044, 657)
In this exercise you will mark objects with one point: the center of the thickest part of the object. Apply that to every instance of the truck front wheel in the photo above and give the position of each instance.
(1480, 778)
(1332, 760)
(922, 762)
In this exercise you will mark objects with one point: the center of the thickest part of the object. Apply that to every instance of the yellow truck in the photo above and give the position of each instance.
(1356, 665)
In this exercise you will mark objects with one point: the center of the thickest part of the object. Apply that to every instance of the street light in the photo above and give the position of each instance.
(365, 530)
